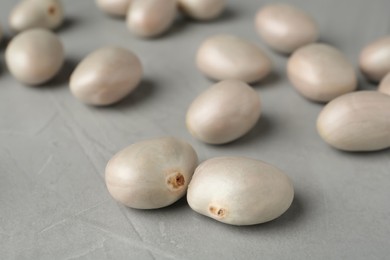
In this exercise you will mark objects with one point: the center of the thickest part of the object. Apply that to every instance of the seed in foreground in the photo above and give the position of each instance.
(30, 14)
(239, 191)
(34, 56)
(106, 76)
(151, 174)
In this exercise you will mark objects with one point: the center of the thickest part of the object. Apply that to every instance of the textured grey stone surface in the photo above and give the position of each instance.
(53, 151)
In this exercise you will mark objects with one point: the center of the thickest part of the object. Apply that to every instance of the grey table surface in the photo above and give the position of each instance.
(53, 151)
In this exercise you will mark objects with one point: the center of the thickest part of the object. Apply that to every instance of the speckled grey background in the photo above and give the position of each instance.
(53, 151)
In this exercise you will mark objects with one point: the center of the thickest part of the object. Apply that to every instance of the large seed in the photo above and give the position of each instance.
(384, 87)
(224, 112)
(358, 121)
(285, 28)
(114, 7)
(151, 174)
(226, 56)
(34, 56)
(321, 73)
(30, 14)
(106, 76)
(375, 59)
(202, 9)
(149, 18)
(239, 191)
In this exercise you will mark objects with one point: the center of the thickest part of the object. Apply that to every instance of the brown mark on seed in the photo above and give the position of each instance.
(218, 212)
(51, 10)
(175, 181)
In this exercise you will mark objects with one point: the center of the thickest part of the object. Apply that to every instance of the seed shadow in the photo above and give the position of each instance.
(145, 90)
(4, 42)
(63, 76)
(364, 155)
(269, 81)
(261, 130)
(178, 26)
(227, 15)
(68, 23)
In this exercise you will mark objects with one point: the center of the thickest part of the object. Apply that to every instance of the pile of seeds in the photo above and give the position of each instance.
(155, 173)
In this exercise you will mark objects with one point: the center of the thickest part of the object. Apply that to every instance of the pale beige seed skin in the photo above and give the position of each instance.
(106, 76)
(225, 56)
(384, 87)
(224, 112)
(28, 14)
(356, 121)
(202, 10)
(239, 191)
(138, 176)
(375, 59)
(114, 7)
(150, 18)
(35, 56)
(285, 28)
(321, 72)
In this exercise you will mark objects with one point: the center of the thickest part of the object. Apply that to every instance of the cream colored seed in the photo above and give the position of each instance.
(375, 59)
(384, 87)
(239, 191)
(226, 56)
(202, 10)
(285, 28)
(30, 14)
(356, 121)
(34, 56)
(114, 7)
(224, 112)
(106, 76)
(149, 18)
(321, 73)
(151, 174)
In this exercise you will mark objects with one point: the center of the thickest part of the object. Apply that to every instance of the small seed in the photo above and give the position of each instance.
(375, 59)
(30, 14)
(202, 9)
(321, 72)
(357, 121)
(285, 28)
(226, 56)
(34, 56)
(224, 112)
(106, 76)
(150, 18)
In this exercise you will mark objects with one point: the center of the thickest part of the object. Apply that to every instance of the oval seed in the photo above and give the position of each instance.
(34, 56)
(356, 121)
(114, 7)
(321, 73)
(149, 18)
(226, 56)
(375, 59)
(286, 28)
(30, 14)
(202, 9)
(239, 191)
(224, 112)
(151, 174)
(106, 76)
(384, 87)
